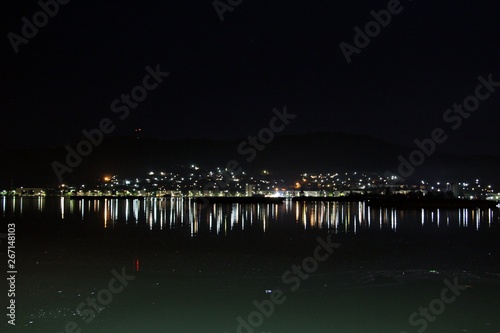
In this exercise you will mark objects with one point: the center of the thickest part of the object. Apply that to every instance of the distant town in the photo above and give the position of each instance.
(193, 181)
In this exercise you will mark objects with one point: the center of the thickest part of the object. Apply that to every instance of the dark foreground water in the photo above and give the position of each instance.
(157, 265)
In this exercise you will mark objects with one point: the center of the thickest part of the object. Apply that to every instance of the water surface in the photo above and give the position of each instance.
(197, 269)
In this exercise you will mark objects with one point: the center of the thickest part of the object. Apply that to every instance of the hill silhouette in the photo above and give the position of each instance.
(286, 156)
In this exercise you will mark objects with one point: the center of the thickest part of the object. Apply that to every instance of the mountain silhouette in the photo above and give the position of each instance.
(287, 156)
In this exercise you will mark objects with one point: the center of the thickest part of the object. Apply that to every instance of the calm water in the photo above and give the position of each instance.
(192, 219)
(204, 283)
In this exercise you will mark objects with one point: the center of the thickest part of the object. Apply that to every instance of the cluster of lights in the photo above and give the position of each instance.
(195, 179)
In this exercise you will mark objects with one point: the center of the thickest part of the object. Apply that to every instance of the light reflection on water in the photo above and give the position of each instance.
(221, 219)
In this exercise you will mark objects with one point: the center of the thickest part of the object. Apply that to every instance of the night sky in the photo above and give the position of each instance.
(227, 76)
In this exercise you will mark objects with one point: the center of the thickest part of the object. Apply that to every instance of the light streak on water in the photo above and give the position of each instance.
(62, 208)
(188, 216)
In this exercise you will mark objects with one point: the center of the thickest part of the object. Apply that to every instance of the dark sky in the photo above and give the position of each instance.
(226, 77)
